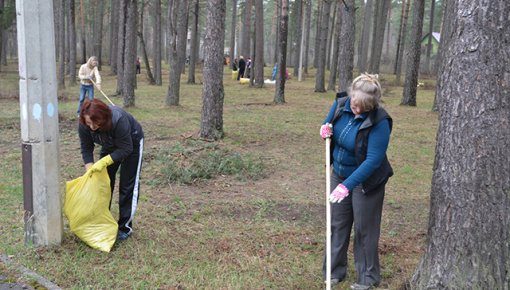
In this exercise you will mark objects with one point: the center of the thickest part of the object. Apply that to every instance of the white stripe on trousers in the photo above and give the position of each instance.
(134, 202)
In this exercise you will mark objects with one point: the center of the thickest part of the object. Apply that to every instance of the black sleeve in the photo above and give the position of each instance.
(86, 144)
(122, 139)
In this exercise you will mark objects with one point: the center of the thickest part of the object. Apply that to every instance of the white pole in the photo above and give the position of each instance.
(39, 122)
(328, 214)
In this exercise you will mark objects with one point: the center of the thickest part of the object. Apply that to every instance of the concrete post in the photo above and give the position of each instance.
(39, 122)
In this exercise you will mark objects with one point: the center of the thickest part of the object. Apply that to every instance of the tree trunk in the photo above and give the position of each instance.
(347, 32)
(444, 31)
(467, 245)
(378, 39)
(317, 43)
(278, 16)
(72, 41)
(308, 24)
(62, 46)
(245, 51)
(83, 34)
(364, 41)
(429, 43)
(130, 53)
(399, 38)
(331, 32)
(193, 50)
(213, 92)
(179, 18)
(120, 47)
(114, 26)
(98, 33)
(156, 45)
(232, 54)
(413, 56)
(402, 43)
(279, 96)
(150, 78)
(1, 29)
(297, 39)
(258, 62)
(334, 65)
(321, 53)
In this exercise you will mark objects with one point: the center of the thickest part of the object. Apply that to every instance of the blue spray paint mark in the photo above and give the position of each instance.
(50, 109)
(36, 112)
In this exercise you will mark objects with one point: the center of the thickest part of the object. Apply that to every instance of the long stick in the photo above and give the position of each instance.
(328, 214)
(102, 92)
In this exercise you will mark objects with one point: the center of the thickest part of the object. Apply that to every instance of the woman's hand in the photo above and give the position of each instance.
(326, 130)
(339, 193)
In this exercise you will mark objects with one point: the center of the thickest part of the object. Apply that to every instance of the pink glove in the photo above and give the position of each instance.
(326, 130)
(339, 193)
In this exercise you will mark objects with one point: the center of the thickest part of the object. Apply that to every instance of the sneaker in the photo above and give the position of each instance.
(357, 286)
(122, 236)
(333, 281)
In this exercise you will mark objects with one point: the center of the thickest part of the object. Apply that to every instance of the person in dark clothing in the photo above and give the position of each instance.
(121, 140)
(360, 133)
(242, 67)
(138, 68)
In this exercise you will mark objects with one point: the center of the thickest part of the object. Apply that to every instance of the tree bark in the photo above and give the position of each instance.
(179, 20)
(120, 47)
(130, 53)
(321, 53)
(62, 46)
(150, 77)
(232, 53)
(246, 35)
(378, 39)
(114, 34)
(308, 24)
(364, 41)
(331, 33)
(72, 46)
(429, 42)
(346, 58)
(317, 33)
(334, 65)
(83, 34)
(193, 50)
(258, 62)
(469, 225)
(401, 50)
(279, 96)
(413, 56)
(213, 92)
(156, 44)
(297, 37)
(98, 33)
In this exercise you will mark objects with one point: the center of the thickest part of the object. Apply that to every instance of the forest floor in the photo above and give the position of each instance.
(258, 222)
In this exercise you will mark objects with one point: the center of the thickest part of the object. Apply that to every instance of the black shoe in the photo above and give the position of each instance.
(122, 236)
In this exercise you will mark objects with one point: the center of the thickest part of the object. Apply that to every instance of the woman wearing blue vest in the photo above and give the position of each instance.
(360, 133)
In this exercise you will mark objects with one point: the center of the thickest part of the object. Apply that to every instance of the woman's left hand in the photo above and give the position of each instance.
(339, 193)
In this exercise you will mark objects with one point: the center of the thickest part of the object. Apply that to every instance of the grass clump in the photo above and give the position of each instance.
(193, 160)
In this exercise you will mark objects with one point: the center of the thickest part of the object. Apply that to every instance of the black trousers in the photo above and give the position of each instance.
(364, 212)
(129, 186)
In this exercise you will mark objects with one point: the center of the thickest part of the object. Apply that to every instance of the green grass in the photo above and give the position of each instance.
(246, 212)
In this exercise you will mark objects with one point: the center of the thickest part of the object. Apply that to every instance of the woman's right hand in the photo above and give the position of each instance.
(326, 130)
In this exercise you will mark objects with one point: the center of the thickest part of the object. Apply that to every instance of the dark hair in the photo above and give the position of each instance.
(98, 112)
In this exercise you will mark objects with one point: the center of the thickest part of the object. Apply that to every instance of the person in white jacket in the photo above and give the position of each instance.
(88, 72)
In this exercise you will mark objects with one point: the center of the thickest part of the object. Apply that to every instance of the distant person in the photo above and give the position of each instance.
(234, 64)
(121, 140)
(275, 70)
(138, 68)
(242, 67)
(88, 72)
(248, 67)
(360, 135)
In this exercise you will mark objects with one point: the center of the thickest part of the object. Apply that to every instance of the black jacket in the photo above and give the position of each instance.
(125, 133)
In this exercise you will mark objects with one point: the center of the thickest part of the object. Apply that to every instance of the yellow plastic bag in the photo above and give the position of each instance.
(234, 74)
(244, 81)
(86, 206)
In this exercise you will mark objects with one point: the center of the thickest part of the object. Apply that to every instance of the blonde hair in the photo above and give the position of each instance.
(90, 60)
(366, 90)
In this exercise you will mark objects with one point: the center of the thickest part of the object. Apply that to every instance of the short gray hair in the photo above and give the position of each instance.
(366, 89)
